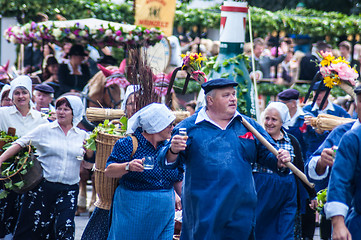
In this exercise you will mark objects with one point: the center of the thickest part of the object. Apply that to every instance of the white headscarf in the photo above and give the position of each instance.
(21, 81)
(130, 89)
(5, 88)
(153, 118)
(282, 109)
(78, 109)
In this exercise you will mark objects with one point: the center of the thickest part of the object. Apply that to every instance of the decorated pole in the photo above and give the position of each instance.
(230, 63)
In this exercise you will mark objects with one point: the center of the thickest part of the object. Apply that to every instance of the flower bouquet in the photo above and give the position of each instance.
(337, 71)
(192, 63)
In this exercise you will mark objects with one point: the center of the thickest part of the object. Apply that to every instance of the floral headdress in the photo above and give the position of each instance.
(115, 76)
(192, 63)
(4, 71)
(161, 83)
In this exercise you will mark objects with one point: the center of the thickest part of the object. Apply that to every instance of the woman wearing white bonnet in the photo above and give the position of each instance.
(129, 103)
(276, 191)
(5, 100)
(148, 191)
(50, 207)
(23, 118)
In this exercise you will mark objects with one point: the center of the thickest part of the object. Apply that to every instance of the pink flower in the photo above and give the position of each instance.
(147, 31)
(76, 32)
(345, 72)
(118, 33)
(349, 75)
(325, 71)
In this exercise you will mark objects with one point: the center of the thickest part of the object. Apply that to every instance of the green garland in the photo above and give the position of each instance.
(306, 21)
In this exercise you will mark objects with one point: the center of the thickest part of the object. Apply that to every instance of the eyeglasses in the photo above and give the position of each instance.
(171, 125)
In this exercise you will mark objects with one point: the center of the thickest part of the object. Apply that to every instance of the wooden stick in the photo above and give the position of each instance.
(273, 150)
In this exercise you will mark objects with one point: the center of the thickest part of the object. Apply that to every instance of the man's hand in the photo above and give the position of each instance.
(313, 204)
(340, 231)
(283, 157)
(178, 143)
(326, 159)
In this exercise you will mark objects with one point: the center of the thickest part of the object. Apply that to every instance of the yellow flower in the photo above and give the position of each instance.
(340, 59)
(328, 82)
(327, 60)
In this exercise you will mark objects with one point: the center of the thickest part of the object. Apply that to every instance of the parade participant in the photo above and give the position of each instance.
(298, 128)
(219, 198)
(43, 96)
(281, 188)
(48, 210)
(5, 100)
(148, 193)
(23, 118)
(316, 138)
(97, 227)
(318, 168)
(344, 190)
(74, 75)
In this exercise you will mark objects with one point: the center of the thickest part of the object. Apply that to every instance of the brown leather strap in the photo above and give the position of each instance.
(135, 145)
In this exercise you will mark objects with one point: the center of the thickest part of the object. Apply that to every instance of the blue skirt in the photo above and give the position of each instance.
(276, 206)
(142, 214)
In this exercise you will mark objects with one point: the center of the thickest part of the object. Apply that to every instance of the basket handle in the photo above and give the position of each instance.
(21, 168)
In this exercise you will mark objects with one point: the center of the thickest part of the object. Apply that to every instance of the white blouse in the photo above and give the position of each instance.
(11, 117)
(60, 155)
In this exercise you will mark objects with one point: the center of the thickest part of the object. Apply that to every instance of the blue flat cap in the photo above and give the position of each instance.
(288, 94)
(357, 90)
(45, 88)
(217, 83)
(317, 84)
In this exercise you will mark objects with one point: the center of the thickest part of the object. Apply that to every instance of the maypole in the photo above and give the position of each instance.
(230, 61)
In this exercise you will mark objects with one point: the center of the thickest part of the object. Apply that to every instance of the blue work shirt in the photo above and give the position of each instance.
(314, 140)
(219, 197)
(344, 190)
(333, 139)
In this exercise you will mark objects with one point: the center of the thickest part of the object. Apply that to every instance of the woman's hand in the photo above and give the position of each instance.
(283, 157)
(136, 165)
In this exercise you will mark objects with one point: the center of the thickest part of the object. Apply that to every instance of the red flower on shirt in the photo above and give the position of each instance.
(247, 135)
(303, 129)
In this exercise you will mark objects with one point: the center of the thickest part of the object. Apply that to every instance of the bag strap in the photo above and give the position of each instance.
(135, 145)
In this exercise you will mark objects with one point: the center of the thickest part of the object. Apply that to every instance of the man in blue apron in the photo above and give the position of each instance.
(219, 197)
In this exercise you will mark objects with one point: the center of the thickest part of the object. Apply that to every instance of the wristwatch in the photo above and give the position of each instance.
(127, 166)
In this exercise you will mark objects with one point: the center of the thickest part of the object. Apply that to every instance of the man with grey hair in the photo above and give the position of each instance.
(219, 197)
(43, 97)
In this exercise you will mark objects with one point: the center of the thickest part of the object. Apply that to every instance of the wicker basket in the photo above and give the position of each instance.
(104, 186)
(31, 179)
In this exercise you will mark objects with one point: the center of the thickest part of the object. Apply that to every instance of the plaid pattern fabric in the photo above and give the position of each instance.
(284, 143)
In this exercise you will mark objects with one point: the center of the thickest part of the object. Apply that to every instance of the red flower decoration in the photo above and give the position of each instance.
(247, 135)
(303, 129)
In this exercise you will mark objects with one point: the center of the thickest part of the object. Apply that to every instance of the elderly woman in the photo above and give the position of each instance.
(143, 204)
(23, 118)
(48, 210)
(276, 192)
(5, 100)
